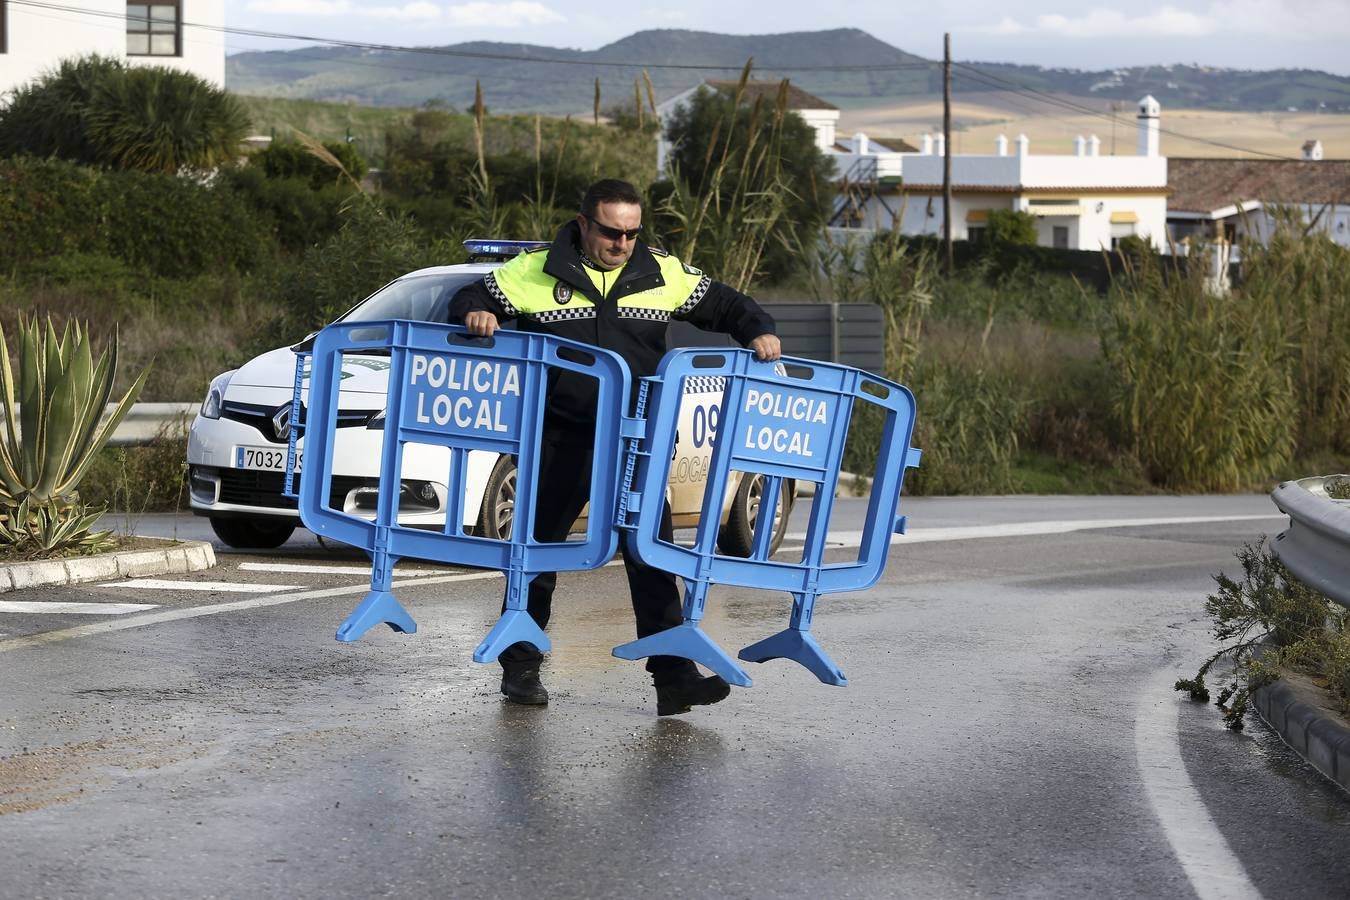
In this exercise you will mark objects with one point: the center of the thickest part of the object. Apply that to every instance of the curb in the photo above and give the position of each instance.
(185, 556)
(1295, 709)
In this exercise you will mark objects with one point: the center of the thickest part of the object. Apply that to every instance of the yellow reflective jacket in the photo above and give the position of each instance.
(551, 291)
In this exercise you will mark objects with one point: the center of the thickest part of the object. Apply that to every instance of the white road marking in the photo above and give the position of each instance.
(225, 587)
(1022, 529)
(86, 609)
(174, 615)
(1214, 872)
(312, 568)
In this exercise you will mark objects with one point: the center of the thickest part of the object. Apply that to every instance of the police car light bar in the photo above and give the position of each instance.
(479, 248)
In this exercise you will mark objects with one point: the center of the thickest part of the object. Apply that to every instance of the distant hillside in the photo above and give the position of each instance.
(517, 84)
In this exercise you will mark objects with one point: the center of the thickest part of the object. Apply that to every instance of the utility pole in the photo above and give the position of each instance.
(947, 152)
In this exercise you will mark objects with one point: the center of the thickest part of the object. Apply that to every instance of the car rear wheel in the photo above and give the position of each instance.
(499, 500)
(252, 534)
(735, 537)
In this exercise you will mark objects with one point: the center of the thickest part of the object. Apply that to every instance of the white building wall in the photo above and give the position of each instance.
(38, 39)
(1260, 224)
(1046, 171)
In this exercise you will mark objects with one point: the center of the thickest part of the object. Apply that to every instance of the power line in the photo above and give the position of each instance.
(472, 54)
(991, 79)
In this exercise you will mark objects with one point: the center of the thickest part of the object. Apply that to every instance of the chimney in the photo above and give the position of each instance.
(1001, 145)
(926, 145)
(1094, 146)
(1312, 151)
(860, 144)
(1080, 146)
(1149, 120)
(1023, 145)
(941, 140)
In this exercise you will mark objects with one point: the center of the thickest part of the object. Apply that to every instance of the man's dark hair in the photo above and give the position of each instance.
(608, 190)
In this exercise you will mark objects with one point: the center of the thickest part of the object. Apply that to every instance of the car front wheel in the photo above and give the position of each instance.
(736, 536)
(252, 534)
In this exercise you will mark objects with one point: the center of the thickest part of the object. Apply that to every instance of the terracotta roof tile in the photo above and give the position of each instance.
(1206, 185)
(895, 145)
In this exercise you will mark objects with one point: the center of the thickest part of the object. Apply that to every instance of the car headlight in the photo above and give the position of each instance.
(215, 395)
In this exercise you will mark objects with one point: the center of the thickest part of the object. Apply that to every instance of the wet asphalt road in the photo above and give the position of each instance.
(1008, 730)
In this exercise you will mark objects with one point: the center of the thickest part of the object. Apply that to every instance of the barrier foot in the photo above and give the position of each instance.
(378, 607)
(799, 646)
(515, 626)
(688, 641)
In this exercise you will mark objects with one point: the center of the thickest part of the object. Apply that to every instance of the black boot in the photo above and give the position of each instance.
(681, 690)
(521, 684)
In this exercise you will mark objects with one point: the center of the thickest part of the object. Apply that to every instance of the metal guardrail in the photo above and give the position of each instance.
(147, 421)
(1316, 545)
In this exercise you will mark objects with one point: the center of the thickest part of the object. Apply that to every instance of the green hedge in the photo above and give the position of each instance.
(158, 224)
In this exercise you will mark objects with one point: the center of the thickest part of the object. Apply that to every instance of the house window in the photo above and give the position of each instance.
(975, 235)
(1060, 235)
(152, 30)
(1120, 231)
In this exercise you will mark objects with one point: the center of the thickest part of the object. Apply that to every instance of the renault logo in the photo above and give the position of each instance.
(281, 422)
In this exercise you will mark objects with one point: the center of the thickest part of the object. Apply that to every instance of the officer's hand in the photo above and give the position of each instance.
(480, 322)
(767, 347)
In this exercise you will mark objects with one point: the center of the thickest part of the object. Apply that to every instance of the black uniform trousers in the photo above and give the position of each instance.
(564, 486)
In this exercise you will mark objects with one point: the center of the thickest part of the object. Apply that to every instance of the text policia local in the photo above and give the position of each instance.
(788, 407)
(470, 391)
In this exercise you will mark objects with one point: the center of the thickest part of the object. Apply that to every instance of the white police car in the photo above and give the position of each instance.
(237, 443)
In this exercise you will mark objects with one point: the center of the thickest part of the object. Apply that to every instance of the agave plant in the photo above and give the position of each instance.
(55, 426)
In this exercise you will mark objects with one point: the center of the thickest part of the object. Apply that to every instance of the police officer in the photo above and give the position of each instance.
(600, 284)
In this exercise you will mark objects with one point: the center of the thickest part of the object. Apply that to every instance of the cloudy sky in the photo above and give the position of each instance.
(1255, 34)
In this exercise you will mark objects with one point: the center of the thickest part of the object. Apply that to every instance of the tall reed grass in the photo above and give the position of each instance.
(1202, 392)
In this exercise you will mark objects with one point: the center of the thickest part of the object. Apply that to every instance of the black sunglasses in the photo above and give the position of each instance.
(614, 233)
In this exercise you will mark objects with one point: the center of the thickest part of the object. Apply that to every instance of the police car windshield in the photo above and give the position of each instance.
(425, 298)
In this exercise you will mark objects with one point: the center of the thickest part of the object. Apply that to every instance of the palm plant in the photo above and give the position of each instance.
(46, 117)
(55, 426)
(161, 120)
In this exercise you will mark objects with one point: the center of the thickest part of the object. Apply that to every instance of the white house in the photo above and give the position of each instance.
(1083, 201)
(182, 34)
(866, 169)
(1227, 200)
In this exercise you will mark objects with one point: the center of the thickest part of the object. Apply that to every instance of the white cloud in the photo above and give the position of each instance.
(416, 10)
(655, 14)
(301, 7)
(517, 14)
(1098, 22)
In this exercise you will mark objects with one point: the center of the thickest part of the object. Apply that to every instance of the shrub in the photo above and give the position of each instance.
(48, 208)
(294, 161)
(1202, 392)
(372, 247)
(1007, 226)
(175, 227)
(1302, 627)
(46, 117)
(299, 215)
(157, 224)
(102, 112)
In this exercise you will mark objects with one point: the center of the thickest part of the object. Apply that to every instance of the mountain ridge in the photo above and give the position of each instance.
(847, 66)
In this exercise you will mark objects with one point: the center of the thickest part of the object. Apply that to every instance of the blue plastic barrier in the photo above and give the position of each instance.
(449, 389)
(787, 420)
